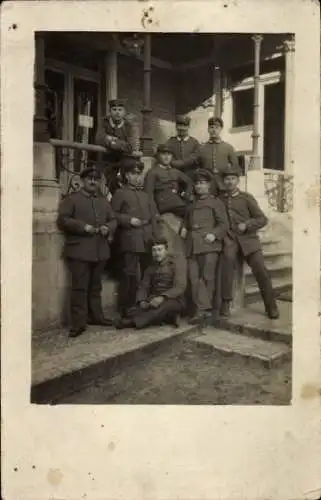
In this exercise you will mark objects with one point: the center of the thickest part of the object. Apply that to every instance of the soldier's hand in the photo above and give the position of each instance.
(156, 301)
(104, 230)
(135, 222)
(183, 232)
(144, 304)
(210, 238)
(241, 227)
(90, 229)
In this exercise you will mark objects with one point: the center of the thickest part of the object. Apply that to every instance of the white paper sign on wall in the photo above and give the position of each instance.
(85, 121)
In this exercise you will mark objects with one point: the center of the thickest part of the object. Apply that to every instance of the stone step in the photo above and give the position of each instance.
(276, 271)
(266, 352)
(282, 284)
(272, 256)
(252, 322)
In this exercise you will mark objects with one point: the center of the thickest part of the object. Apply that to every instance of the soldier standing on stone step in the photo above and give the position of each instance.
(215, 154)
(160, 296)
(203, 229)
(169, 187)
(119, 134)
(137, 219)
(88, 222)
(245, 219)
(185, 149)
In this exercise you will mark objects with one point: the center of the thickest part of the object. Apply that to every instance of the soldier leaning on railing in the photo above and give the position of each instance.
(119, 134)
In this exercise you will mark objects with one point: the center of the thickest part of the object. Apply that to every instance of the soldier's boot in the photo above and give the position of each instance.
(75, 332)
(226, 309)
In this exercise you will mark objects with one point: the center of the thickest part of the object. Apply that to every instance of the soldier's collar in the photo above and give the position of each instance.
(166, 167)
(214, 140)
(89, 195)
(116, 125)
(182, 139)
(232, 195)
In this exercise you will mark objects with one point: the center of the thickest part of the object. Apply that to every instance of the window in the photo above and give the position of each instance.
(55, 95)
(243, 107)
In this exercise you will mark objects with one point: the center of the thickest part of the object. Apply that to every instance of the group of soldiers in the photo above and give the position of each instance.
(218, 225)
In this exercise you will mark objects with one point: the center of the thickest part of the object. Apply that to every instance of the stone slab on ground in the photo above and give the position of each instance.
(253, 322)
(60, 363)
(269, 353)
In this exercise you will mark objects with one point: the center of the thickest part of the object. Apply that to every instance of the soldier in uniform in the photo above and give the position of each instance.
(119, 134)
(88, 222)
(160, 295)
(169, 187)
(204, 228)
(185, 149)
(216, 154)
(136, 215)
(245, 219)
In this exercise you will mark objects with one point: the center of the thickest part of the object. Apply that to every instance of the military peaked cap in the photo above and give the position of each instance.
(183, 120)
(116, 102)
(162, 148)
(231, 170)
(90, 172)
(215, 121)
(202, 175)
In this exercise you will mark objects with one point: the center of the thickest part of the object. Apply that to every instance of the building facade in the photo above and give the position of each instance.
(244, 79)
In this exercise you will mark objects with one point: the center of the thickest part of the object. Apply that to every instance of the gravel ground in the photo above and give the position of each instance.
(187, 374)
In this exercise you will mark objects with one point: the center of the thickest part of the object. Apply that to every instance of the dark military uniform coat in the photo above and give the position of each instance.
(77, 210)
(216, 155)
(126, 134)
(127, 203)
(205, 215)
(164, 185)
(167, 278)
(186, 152)
(243, 207)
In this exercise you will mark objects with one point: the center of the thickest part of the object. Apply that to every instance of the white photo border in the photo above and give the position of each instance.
(158, 452)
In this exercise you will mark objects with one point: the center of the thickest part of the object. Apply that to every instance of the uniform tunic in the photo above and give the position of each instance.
(168, 279)
(164, 184)
(134, 242)
(215, 156)
(186, 152)
(242, 207)
(86, 253)
(205, 215)
(126, 140)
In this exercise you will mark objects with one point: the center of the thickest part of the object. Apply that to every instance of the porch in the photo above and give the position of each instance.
(160, 75)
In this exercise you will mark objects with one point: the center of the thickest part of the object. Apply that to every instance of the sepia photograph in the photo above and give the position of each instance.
(160, 249)
(162, 218)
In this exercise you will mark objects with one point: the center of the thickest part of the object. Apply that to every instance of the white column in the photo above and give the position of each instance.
(289, 76)
(255, 175)
(111, 76)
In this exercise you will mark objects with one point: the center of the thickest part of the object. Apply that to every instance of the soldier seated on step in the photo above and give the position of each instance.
(245, 219)
(160, 296)
(137, 219)
(118, 132)
(203, 229)
(169, 187)
(88, 222)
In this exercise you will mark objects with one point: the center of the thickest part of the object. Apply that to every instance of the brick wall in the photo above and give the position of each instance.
(130, 86)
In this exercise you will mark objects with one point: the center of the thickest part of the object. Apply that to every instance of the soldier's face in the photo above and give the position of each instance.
(202, 187)
(231, 182)
(214, 130)
(91, 184)
(117, 113)
(165, 158)
(182, 130)
(134, 179)
(159, 252)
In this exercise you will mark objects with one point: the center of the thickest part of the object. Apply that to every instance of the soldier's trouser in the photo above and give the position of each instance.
(85, 296)
(134, 266)
(155, 316)
(256, 262)
(202, 274)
